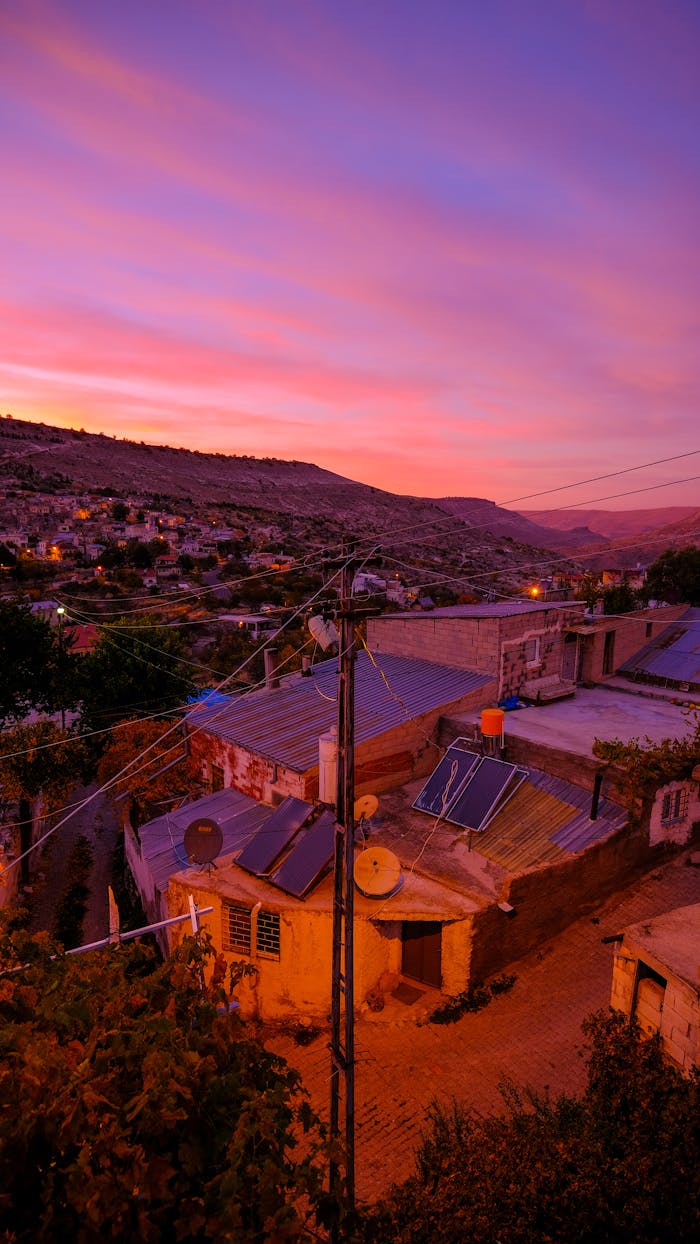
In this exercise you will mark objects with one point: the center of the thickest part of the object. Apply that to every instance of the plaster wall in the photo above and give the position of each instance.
(677, 831)
(631, 635)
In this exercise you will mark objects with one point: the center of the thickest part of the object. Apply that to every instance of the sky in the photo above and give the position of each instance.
(441, 248)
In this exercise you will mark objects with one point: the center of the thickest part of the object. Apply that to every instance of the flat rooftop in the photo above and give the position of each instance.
(595, 713)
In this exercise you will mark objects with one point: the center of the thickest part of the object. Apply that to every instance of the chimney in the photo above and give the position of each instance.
(270, 659)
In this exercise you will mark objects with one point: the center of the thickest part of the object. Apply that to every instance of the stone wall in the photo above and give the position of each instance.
(548, 899)
(673, 1011)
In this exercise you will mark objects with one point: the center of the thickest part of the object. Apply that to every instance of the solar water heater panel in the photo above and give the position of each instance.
(263, 849)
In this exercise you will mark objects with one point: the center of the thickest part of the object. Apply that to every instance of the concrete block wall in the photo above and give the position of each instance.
(680, 1023)
(466, 643)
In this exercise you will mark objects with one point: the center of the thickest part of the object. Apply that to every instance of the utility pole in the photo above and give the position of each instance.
(342, 1034)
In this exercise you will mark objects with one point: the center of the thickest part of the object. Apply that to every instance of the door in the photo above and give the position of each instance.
(421, 951)
(568, 663)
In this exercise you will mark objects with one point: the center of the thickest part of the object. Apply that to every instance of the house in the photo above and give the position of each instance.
(266, 744)
(517, 642)
(671, 658)
(466, 903)
(656, 979)
(253, 624)
(538, 650)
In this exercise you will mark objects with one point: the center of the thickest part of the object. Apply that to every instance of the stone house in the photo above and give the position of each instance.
(656, 980)
(266, 744)
(536, 649)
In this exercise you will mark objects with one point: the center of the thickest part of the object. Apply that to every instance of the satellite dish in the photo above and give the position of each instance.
(365, 807)
(203, 841)
(377, 872)
(325, 633)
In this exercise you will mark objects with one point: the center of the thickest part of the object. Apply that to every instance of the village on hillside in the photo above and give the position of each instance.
(525, 762)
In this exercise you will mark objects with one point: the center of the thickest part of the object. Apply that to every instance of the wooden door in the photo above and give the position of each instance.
(421, 956)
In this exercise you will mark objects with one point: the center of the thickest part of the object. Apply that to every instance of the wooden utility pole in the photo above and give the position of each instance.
(342, 987)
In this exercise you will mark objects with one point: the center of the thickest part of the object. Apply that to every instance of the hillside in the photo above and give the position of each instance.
(476, 512)
(609, 524)
(297, 499)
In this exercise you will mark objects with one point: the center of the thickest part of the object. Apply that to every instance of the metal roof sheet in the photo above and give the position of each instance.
(674, 654)
(284, 724)
(499, 609)
(546, 820)
(161, 839)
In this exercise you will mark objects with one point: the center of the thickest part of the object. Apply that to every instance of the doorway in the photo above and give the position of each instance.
(421, 951)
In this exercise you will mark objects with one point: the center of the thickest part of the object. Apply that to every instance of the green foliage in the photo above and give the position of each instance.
(675, 576)
(30, 766)
(72, 904)
(134, 667)
(620, 598)
(619, 1165)
(475, 998)
(136, 1107)
(648, 764)
(120, 511)
(28, 657)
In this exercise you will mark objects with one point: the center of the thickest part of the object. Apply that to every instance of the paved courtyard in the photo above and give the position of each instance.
(531, 1035)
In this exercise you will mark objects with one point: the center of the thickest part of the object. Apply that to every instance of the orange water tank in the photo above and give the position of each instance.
(492, 722)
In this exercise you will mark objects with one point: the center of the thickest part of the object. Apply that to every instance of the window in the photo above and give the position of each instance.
(532, 651)
(267, 939)
(674, 806)
(217, 778)
(237, 931)
(236, 928)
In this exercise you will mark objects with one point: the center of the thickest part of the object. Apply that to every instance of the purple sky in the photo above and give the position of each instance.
(444, 248)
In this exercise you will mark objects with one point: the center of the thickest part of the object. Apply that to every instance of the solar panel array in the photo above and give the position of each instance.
(467, 789)
(310, 855)
(446, 781)
(261, 852)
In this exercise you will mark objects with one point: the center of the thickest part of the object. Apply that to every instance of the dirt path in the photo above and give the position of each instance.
(98, 822)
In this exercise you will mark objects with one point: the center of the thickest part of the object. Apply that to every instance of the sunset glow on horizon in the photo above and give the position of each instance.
(445, 249)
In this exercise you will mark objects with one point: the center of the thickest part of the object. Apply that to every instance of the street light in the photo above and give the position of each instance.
(60, 612)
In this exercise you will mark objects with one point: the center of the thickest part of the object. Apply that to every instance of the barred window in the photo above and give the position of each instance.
(674, 806)
(267, 940)
(236, 928)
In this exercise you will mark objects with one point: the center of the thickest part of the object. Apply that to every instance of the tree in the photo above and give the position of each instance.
(135, 667)
(137, 1107)
(619, 1165)
(32, 768)
(28, 657)
(120, 511)
(675, 576)
(620, 598)
(649, 765)
(166, 773)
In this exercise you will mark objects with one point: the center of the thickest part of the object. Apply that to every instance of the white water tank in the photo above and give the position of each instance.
(328, 766)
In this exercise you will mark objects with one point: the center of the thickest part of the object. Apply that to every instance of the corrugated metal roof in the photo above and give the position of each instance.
(674, 654)
(547, 819)
(499, 609)
(161, 839)
(284, 724)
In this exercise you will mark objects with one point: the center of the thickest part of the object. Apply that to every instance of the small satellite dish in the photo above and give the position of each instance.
(203, 841)
(325, 633)
(377, 872)
(365, 807)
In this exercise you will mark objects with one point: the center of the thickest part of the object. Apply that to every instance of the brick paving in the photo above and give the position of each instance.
(529, 1036)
